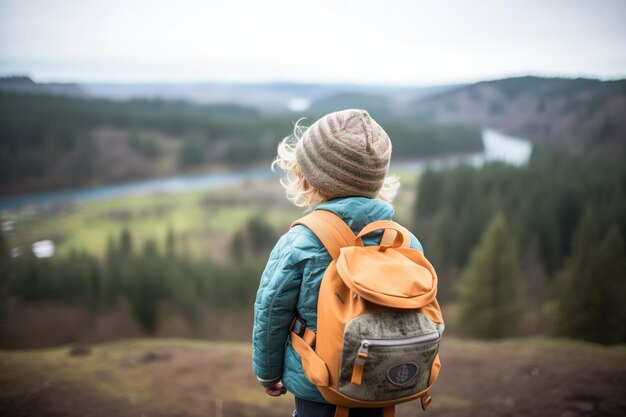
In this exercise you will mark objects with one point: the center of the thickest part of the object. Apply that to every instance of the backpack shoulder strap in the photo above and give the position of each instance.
(333, 232)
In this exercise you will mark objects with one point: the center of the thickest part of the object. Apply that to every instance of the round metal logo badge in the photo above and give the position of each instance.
(402, 374)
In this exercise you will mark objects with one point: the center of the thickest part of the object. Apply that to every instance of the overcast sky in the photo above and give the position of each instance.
(366, 42)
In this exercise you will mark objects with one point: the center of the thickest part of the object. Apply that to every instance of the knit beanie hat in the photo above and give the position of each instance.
(345, 153)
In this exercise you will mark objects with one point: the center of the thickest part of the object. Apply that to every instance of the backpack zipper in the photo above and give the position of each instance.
(429, 337)
(363, 353)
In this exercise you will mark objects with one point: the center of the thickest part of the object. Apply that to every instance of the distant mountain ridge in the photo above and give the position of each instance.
(584, 114)
(273, 95)
(24, 84)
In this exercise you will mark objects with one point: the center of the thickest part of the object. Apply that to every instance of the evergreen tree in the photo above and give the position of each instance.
(612, 279)
(5, 277)
(254, 240)
(111, 250)
(262, 237)
(4, 248)
(490, 291)
(150, 249)
(5, 268)
(191, 151)
(579, 296)
(170, 243)
(126, 243)
(237, 247)
(536, 288)
(591, 305)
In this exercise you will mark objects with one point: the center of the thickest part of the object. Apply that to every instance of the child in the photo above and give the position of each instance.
(339, 164)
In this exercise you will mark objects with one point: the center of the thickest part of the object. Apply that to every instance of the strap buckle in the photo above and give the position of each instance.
(298, 326)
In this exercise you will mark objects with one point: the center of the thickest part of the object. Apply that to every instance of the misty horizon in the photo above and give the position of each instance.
(287, 82)
(401, 44)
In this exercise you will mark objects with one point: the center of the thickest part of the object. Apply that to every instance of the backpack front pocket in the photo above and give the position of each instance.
(385, 369)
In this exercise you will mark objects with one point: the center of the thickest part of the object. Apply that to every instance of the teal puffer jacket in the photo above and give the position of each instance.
(290, 286)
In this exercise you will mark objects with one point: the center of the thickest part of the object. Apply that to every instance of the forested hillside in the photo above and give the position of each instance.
(56, 141)
(585, 114)
(558, 222)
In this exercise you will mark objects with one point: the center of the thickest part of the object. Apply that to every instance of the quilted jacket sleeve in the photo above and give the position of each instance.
(274, 309)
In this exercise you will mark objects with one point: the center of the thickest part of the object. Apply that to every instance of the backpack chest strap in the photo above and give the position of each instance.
(301, 330)
(302, 340)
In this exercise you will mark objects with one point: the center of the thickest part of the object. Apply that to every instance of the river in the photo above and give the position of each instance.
(497, 147)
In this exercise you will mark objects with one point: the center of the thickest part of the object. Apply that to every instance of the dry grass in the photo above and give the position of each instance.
(516, 377)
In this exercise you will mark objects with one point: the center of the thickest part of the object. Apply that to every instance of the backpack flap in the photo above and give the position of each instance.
(391, 274)
(388, 278)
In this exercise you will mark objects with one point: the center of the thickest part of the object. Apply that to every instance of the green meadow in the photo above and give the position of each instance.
(203, 222)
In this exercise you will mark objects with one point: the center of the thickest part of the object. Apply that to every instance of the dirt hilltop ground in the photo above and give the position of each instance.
(186, 378)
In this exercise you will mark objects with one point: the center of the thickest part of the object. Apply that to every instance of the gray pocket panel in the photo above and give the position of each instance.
(400, 347)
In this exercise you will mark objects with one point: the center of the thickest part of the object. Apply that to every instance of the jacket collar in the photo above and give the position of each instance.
(357, 212)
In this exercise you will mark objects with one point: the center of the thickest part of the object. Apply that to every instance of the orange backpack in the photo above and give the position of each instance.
(378, 322)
